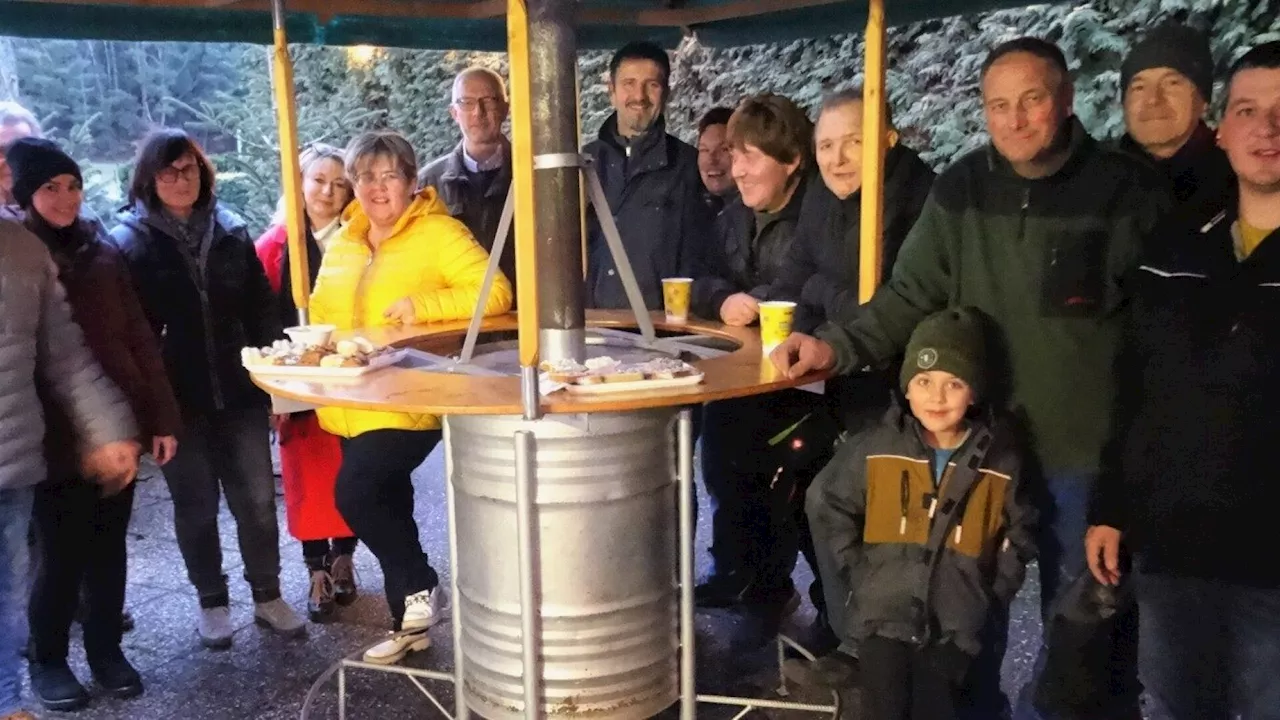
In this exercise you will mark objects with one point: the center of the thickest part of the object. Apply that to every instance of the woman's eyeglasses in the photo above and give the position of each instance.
(170, 175)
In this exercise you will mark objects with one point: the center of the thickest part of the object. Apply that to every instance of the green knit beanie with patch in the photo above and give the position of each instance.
(950, 341)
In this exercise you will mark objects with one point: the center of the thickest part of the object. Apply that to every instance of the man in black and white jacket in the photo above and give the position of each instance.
(1189, 482)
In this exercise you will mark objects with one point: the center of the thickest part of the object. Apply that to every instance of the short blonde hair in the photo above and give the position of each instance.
(310, 155)
(364, 148)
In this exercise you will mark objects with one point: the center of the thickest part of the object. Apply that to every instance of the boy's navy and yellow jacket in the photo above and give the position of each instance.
(926, 562)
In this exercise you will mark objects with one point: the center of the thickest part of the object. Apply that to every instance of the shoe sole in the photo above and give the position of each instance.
(124, 693)
(426, 624)
(64, 705)
(215, 643)
(300, 631)
(415, 646)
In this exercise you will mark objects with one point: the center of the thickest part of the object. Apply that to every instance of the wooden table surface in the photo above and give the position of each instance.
(735, 374)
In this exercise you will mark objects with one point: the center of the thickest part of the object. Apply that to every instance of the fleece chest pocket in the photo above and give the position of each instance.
(897, 511)
(1074, 283)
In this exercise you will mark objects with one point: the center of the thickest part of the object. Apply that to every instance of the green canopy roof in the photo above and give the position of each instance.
(456, 24)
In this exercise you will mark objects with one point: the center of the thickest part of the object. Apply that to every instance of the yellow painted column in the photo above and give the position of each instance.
(874, 139)
(522, 177)
(290, 173)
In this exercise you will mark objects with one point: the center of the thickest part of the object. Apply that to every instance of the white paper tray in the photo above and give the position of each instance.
(328, 373)
(635, 386)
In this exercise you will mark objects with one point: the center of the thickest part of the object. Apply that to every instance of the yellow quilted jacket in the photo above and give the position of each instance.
(430, 258)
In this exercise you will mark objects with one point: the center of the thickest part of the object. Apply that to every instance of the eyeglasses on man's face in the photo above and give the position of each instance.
(487, 104)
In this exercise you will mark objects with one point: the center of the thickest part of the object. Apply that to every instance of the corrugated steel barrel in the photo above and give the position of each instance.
(606, 566)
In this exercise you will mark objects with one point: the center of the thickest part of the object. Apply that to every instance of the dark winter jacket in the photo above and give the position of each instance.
(40, 344)
(105, 306)
(477, 204)
(207, 297)
(1199, 174)
(822, 271)
(748, 253)
(1191, 476)
(655, 194)
(1044, 258)
(925, 562)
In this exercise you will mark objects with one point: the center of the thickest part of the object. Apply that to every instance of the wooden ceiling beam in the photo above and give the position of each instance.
(673, 15)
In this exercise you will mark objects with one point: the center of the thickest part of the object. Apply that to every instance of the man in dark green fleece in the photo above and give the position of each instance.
(1036, 230)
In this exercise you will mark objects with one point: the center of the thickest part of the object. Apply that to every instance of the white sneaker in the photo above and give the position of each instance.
(277, 616)
(393, 649)
(215, 627)
(426, 608)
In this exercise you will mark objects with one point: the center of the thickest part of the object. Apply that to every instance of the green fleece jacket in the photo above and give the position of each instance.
(1043, 259)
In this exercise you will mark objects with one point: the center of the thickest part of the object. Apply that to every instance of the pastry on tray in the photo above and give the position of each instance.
(355, 352)
(607, 370)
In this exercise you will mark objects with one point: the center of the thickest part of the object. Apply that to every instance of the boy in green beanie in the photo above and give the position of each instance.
(924, 524)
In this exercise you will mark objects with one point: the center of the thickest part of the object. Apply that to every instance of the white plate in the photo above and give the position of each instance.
(321, 373)
(634, 386)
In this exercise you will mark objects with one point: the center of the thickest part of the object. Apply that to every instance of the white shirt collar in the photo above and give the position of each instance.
(493, 163)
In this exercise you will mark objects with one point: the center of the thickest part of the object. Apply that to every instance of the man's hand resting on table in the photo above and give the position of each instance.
(801, 354)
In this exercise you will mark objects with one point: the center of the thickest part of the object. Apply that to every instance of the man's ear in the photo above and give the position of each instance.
(892, 137)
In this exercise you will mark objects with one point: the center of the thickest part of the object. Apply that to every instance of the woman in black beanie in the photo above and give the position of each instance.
(81, 533)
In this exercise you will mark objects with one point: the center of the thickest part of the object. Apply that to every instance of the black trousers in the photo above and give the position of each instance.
(80, 541)
(903, 682)
(374, 493)
(757, 488)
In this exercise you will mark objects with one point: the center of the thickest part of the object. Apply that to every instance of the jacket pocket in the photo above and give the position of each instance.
(1074, 282)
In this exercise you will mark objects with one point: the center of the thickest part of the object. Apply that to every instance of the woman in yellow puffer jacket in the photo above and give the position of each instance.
(399, 259)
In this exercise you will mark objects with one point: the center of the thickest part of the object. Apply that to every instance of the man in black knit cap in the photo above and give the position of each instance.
(1167, 81)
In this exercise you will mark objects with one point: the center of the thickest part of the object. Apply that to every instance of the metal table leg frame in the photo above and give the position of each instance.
(688, 670)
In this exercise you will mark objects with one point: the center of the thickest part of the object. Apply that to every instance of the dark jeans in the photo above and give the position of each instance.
(1209, 650)
(226, 452)
(374, 493)
(902, 682)
(757, 489)
(1063, 522)
(80, 539)
(317, 553)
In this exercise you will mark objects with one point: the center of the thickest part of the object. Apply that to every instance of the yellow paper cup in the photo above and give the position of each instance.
(676, 294)
(775, 323)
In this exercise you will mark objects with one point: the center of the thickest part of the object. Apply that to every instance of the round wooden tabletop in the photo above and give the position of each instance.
(738, 373)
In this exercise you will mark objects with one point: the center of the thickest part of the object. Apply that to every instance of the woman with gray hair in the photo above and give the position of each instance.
(400, 258)
(309, 456)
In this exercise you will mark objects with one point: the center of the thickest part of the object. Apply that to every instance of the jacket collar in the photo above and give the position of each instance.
(455, 167)
(1079, 145)
(649, 153)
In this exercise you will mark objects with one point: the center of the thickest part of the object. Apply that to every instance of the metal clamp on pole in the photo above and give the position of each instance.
(555, 161)
(610, 228)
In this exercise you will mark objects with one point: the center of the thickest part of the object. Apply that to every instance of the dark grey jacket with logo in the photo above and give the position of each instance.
(41, 344)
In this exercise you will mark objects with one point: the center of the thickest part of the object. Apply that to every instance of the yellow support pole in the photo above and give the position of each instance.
(290, 172)
(873, 147)
(522, 177)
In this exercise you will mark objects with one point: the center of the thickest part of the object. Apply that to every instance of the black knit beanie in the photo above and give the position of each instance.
(950, 341)
(1176, 46)
(34, 162)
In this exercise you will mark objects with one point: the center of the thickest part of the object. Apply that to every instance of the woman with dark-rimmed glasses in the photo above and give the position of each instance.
(207, 297)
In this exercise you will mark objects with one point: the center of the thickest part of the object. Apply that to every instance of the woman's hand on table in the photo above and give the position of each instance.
(739, 310)
(401, 312)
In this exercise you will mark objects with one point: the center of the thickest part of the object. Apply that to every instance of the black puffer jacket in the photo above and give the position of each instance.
(748, 253)
(205, 304)
(822, 271)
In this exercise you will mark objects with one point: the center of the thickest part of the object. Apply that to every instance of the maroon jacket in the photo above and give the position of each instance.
(105, 305)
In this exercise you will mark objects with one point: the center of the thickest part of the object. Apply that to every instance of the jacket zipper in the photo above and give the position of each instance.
(206, 314)
(1022, 215)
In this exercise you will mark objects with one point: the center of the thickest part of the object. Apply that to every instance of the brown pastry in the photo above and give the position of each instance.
(311, 357)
